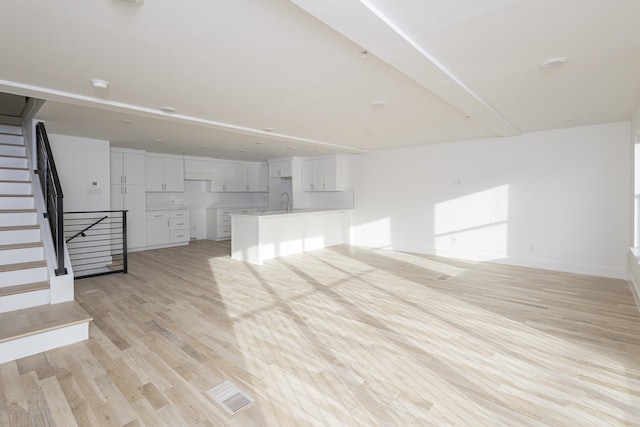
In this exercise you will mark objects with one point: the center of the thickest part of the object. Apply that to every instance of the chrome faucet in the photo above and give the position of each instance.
(287, 200)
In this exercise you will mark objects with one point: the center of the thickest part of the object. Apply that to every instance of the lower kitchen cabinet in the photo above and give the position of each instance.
(219, 221)
(167, 227)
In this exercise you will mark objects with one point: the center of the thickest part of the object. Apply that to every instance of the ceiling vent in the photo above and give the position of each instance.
(130, 2)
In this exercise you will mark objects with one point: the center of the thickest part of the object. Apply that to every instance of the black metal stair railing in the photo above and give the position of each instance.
(97, 242)
(52, 192)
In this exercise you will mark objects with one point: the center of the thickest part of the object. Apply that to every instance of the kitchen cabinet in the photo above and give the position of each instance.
(323, 173)
(264, 177)
(228, 176)
(219, 221)
(127, 167)
(168, 227)
(128, 192)
(253, 177)
(280, 168)
(164, 173)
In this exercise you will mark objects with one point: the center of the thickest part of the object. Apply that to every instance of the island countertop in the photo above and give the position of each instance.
(289, 213)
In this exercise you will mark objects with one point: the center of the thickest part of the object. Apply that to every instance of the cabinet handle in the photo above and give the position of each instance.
(125, 190)
(121, 179)
(180, 223)
(125, 179)
(157, 216)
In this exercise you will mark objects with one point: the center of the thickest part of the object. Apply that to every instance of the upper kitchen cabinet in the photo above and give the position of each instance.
(280, 168)
(264, 177)
(323, 173)
(164, 173)
(127, 167)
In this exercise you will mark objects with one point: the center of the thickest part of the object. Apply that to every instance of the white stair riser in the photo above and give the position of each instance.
(21, 277)
(14, 174)
(10, 237)
(11, 149)
(13, 162)
(18, 255)
(24, 300)
(11, 139)
(11, 129)
(15, 188)
(17, 202)
(37, 343)
(18, 218)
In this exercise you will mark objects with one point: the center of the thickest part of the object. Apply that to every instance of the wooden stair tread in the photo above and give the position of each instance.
(19, 227)
(17, 210)
(13, 157)
(20, 246)
(16, 195)
(30, 321)
(13, 168)
(15, 181)
(21, 289)
(23, 266)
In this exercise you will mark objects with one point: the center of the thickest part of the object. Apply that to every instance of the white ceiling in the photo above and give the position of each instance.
(445, 69)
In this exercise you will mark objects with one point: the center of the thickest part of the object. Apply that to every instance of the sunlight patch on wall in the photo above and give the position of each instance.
(473, 226)
(373, 234)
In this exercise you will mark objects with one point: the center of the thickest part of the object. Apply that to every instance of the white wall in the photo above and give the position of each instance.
(555, 199)
(635, 142)
(81, 161)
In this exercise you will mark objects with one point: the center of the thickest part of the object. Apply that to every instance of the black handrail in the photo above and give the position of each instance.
(52, 191)
(81, 233)
(104, 247)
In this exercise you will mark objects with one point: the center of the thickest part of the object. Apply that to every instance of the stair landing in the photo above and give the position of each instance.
(37, 329)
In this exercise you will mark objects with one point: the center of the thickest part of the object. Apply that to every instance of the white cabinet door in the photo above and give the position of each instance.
(132, 199)
(307, 175)
(242, 178)
(217, 177)
(228, 176)
(134, 168)
(173, 168)
(264, 177)
(253, 177)
(154, 173)
(135, 204)
(164, 173)
(117, 168)
(280, 169)
(158, 232)
(318, 175)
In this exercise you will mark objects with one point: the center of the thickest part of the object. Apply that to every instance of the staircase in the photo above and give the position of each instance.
(29, 323)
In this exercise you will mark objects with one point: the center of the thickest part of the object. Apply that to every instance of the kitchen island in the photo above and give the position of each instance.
(260, 236)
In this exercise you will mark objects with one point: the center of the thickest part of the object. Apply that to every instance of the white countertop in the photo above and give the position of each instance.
(292, 212)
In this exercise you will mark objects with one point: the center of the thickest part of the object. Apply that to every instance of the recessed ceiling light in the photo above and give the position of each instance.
(126, 122)
(571, 120)
(554, 62)
(130, 2)
(257, 142)
(100, 84)
(242, 150)
(289, 148)
(168, 110)
(378, 104)
(208, 146)
(159, 140)
(268, 129)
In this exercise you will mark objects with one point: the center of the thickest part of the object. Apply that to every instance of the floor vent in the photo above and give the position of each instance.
(230, 397)
(444, 277)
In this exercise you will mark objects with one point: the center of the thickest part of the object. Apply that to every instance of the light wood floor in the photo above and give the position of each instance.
(340, 336)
